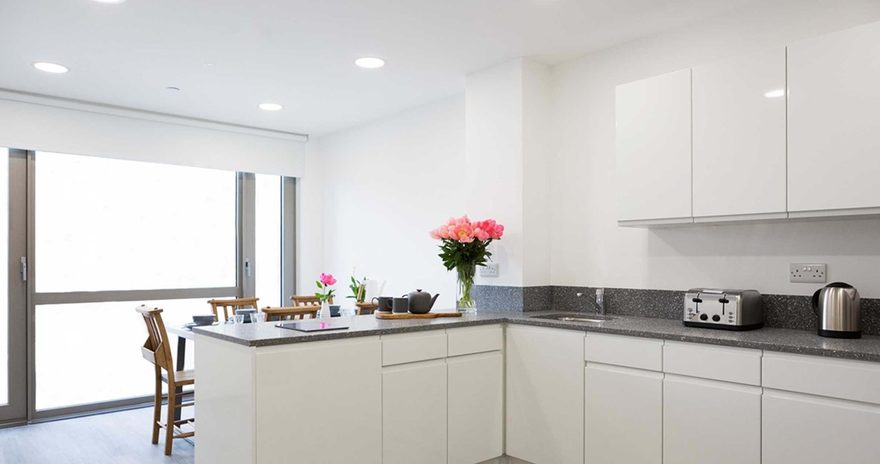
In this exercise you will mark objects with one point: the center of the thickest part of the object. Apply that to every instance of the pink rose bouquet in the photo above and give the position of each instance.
(463, 248)
(325, 293)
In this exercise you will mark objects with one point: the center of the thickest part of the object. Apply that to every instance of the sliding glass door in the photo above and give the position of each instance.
(13, 312)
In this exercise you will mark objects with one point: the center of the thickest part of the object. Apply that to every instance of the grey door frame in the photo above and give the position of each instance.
(15, 411)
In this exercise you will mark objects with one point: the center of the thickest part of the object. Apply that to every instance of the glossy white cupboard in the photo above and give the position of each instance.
(442, 396)
(818, 410)
(414, 413)
(789, 132)
(710, 421)
(545, 394)
(834, 131)
(475, 379)
(739, 137)
(653, 121)
(439, 396)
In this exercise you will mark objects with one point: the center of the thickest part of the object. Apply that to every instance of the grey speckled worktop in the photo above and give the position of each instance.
(786, 340)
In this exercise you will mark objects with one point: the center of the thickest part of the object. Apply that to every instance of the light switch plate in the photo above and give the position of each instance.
(489, 270)
(813, 273)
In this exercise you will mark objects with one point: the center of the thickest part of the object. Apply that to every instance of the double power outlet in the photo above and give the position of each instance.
(807, 273)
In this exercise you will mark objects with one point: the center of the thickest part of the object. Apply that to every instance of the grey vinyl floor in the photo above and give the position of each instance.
(113, 438)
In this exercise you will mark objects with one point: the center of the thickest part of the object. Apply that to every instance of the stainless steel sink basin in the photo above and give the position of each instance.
(576, 317)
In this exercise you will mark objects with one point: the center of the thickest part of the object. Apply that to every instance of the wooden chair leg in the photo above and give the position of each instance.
(157, 407)
(169, 420)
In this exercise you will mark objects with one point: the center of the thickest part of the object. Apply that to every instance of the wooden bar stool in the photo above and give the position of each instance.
(307, 300)
(230, 305)
(157, 350)
(291, 312)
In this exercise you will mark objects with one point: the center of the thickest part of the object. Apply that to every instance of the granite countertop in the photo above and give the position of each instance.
(786, 340)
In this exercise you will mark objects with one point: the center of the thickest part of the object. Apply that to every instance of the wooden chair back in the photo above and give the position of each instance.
(291, 312)
(307, 300)
(156, 349)
(230, 305)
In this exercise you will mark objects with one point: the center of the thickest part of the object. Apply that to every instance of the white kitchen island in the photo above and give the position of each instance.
(271, 395)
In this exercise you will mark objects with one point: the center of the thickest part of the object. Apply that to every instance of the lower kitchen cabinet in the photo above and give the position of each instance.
(414, 413)
(545, 395)
(807, 429)
(476, 407)
(707, 421)
(623, 415)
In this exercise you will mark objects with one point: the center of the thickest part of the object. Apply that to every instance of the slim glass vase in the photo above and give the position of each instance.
(465, 299)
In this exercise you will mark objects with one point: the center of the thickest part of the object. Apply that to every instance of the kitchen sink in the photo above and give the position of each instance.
(575, 317)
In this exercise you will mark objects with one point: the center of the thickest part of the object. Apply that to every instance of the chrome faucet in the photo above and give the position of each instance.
(600, 300)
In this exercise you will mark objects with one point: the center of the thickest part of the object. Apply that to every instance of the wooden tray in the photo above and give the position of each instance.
(381, 315)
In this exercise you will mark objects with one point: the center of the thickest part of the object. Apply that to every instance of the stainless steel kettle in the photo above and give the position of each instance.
(839, 310)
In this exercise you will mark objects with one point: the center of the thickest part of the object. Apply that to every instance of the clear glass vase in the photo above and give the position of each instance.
(464, 301)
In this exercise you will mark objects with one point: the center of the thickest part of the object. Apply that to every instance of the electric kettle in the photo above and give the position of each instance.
(839, 311)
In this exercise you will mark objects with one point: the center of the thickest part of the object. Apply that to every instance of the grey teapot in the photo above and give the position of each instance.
(421, 302)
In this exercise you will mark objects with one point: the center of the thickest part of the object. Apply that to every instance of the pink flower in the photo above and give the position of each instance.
(327, 279)
(497, 232)
(463, 230)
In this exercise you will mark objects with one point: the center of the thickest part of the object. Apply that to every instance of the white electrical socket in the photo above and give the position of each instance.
(807, 273)
(489, 270)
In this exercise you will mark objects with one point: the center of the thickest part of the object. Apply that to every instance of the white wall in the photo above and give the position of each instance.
(310, 220)
(494, 164)
(588, 248)
(385, 186)
(507, 118)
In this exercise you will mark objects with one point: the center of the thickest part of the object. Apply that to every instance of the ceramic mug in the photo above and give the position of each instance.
(400, 305)
(385, 303)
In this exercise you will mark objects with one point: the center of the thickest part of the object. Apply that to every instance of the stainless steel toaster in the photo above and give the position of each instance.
(723, 309)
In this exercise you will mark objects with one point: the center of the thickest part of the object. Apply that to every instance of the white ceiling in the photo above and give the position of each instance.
(228, 56)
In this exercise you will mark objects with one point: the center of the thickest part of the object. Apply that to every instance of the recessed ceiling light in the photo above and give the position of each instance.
(53, 68)
(109, 1)
(369, 62)
(775, 93)
(270, 106)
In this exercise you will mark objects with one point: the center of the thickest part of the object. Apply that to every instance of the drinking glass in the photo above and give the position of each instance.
(239, 318)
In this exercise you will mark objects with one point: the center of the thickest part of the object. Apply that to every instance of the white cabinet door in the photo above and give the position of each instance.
(545, 395)
(812, 430)
(653, 119)
(414, 413)
(739, 137)
(476, 407)
(624, 415)
(705, 421)
(304, 395)
(833, 128)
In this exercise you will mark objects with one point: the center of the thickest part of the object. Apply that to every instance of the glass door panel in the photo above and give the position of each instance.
(105, 224)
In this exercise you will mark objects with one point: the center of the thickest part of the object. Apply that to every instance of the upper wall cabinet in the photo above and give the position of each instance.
(653, 118)
(739, 138)
(834, 128)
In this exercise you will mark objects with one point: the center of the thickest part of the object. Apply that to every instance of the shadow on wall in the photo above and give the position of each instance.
(852, 237)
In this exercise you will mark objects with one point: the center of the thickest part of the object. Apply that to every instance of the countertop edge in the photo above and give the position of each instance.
(707, 339)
